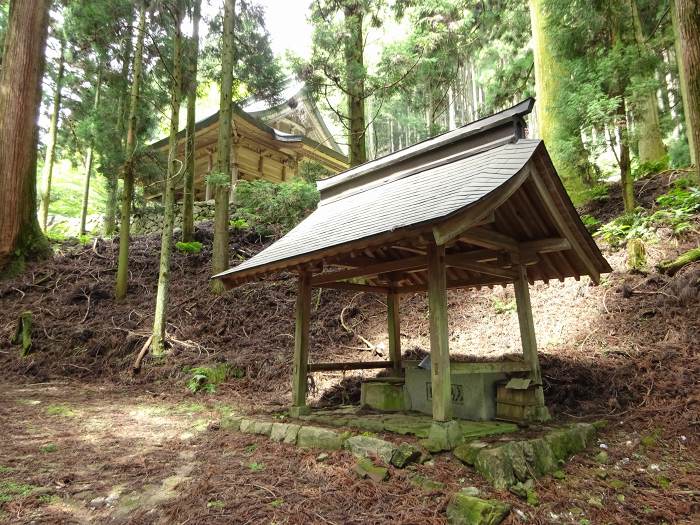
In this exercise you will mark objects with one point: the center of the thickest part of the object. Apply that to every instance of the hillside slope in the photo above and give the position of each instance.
(628, 346)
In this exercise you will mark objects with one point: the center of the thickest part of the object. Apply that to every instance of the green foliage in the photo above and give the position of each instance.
(206, 378)
(591, 223)
(676, 211)
(649, 168)
(502, 307)
(277, 502)
(189, 247)
(218, 178)
(679, 153)
(48, 448)
(239, 224)
(312, 171)
(256, 467)
(216, 504)
(274, 209)
(60, 410)
(599, 193)
(10, 490)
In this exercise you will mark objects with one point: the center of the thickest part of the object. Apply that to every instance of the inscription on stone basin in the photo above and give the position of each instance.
(457, 393)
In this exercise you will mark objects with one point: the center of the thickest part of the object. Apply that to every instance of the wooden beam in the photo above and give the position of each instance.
(564, 227)
(474, 214)
(527, 326)
(487, 269)
(349, 365)
(554, 244)
(394, 327)
(457, 367)
(489, 239)
(439, 334)
(301, 345)
(489, 281)
(408, 263)
(356, 287)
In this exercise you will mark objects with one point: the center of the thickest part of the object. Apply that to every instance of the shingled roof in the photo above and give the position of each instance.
(483, 190)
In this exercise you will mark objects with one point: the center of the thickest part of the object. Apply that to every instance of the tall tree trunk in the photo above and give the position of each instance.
(451, 109)
(355, 72)
(122, 283)
(224, 179)
(188, 187)
(624, 160)
(548, 72)
(111, 175)
(20, 99)
(47, 173)
(648, 132)
(687, 19)
(89, 155)
(166, 243)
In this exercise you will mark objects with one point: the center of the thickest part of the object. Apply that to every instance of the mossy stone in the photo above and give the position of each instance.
(367, 446)
(444, 435)
(470, 510)
(543, 460)
(317, 437)
(467, 452)
(496, 467)
(277, 431)
(366, 469)
(602, 457)
(247, 426)
(231, 422)
(290, 436)
(426, 483)
(404, 454)
(263, 428)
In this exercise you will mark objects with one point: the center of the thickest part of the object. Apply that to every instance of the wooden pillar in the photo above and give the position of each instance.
(527, 327)
(439, 334)
(301, 346)
(394, 322)
(210, 166)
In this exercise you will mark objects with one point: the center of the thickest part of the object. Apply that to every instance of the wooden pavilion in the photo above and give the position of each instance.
(269, 142)
(477, 206)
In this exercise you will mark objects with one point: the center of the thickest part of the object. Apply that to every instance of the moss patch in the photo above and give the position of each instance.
(10, 490)
(60, 410)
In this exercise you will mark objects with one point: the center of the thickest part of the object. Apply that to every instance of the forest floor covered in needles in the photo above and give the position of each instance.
(80, 426)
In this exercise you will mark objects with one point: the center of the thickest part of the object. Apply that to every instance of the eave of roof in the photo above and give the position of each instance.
(513, 114)
(274, 133)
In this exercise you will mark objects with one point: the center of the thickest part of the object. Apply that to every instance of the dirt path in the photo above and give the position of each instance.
(92, 454)
(86, 453)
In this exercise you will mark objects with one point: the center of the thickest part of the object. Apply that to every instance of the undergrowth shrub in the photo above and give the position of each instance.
(189, 247)
(273, 209)
(206, 378)
(591, 223)
(676, 210)
(647, 168)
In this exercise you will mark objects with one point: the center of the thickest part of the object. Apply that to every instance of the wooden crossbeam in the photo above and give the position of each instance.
(555, 244)
(349, 365)
(528, 256)
(486, 269)
(356, 287)
(409, 263)
(454, 227)
(490, 239)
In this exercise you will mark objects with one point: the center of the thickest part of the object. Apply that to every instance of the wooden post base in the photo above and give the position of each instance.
(299, 411)
(444, 435)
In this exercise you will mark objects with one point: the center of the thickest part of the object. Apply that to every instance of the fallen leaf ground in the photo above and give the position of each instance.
(87, 453)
